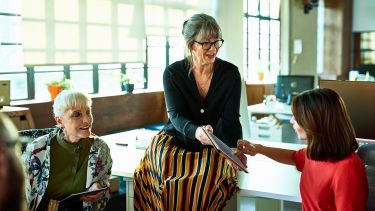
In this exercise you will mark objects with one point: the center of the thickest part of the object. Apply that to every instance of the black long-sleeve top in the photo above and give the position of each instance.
(184, 104)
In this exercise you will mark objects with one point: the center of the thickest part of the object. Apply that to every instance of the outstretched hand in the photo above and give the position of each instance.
(247, 147)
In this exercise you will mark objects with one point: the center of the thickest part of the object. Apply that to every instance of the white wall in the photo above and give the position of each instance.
(230, 19)
(363, 15)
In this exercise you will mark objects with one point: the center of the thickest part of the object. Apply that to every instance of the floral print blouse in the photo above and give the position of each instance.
(36, 160)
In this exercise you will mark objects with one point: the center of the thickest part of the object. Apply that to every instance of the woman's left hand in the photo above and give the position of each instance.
(93, 197)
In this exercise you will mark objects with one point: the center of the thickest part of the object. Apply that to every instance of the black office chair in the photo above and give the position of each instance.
(367, 153)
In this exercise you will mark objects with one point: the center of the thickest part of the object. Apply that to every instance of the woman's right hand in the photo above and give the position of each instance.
(201, 136)
(247, 147)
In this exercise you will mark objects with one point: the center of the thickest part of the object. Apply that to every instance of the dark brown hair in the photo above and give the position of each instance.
(13, 192)
(323, 116)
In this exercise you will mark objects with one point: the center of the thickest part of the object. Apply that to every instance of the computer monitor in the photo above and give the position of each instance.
(4, 93)
(288, 86)
(359, 99)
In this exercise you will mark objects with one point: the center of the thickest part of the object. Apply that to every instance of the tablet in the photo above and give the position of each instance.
(77, 196)
(225, 150)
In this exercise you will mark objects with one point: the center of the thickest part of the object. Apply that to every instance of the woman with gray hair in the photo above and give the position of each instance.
(180, 169)
(70, 159)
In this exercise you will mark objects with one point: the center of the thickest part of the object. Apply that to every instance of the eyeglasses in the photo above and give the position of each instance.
(207, 45)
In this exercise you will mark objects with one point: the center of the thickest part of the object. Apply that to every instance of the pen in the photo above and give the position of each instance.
(122, 144)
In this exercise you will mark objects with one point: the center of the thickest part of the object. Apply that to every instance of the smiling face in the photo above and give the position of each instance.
(76, 123)
(202, 56)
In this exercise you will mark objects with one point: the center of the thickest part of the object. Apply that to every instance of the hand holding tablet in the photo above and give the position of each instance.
(225, 150)
(78, 196)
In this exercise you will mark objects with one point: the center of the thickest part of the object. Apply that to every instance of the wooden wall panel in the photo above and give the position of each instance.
(129, 111)
(255, 92)
(112, 113)
(116, 113)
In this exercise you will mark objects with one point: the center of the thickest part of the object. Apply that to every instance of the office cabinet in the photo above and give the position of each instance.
(266, 132)
(268, 122)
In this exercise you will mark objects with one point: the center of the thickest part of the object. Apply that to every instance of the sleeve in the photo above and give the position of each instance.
(176, 108)
(299, 158)
(26, 158)
(105, 174)
(229, 122)
(350, 187)
(102, 171)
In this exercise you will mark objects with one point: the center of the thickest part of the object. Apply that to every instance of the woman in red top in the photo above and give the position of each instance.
(333, 176)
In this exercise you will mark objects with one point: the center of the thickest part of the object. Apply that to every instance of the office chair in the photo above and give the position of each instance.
(367, 153)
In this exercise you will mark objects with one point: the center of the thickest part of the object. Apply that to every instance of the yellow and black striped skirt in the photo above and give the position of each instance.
(172, 178)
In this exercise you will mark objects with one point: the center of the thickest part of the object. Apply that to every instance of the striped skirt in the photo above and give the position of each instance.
(172, 178)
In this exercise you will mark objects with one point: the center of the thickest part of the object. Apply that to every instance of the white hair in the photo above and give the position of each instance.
(68, 99)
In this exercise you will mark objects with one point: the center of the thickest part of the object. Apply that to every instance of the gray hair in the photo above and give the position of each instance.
(199, 24)
(68, 99)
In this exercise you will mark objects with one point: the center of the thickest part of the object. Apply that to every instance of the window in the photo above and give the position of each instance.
(262, 39)
(90, 42)
(161, 52)
(366, 47)
(363, 56)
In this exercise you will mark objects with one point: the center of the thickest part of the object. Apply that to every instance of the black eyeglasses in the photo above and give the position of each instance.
(207, 45)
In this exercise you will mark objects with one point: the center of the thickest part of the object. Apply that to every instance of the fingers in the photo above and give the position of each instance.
(242, 157)
(201, 136)
(92, 197)
(247, 147)
(208, 128)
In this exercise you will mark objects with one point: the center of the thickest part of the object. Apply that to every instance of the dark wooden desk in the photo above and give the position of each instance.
(21, 116)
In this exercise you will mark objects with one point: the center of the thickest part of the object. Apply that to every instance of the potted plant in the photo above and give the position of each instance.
(128, 80)
(56, 86)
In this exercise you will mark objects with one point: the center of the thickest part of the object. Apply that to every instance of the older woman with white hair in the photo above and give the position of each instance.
(70, 159)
